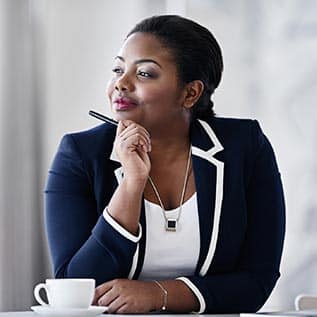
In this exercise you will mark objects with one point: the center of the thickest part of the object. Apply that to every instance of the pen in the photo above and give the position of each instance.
(102, 117)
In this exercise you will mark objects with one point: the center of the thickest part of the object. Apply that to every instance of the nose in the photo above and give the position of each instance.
(124, 84)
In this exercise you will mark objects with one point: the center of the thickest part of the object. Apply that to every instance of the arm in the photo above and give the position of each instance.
(132, 145)
(247, 288)
(79, 239)
(82, 243)
(130, 296)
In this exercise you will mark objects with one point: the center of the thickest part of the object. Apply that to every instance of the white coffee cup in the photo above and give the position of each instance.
(66, 293)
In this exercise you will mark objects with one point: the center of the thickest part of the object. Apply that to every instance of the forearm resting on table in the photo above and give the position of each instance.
(125, 205)
(180, 298)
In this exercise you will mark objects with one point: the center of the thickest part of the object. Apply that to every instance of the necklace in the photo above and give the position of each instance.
(170, 223)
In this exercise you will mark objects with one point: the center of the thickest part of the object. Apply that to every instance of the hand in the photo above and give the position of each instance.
(132, 145)
(128, 296)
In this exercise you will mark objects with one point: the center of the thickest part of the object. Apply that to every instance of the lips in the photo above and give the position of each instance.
(124, 103)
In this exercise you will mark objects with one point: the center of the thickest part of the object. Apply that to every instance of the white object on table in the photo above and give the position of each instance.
(66, 293)
(304, 302)
(292, 313)
(69, 312)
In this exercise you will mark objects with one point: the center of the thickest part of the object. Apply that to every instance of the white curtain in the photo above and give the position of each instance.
(23, 259)
(55, 58)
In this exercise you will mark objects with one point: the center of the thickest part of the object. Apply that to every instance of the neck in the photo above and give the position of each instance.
(170, 141)
(169, 149)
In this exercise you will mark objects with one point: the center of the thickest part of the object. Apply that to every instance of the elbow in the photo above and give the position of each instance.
(259, 290)
(266, 283)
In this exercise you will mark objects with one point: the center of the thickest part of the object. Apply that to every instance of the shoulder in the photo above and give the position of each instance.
(236, 132)
(227, 125)
(92, 142)
(245, 137)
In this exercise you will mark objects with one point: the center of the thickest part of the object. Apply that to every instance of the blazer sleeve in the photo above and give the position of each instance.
(82, 243)
(249, 286)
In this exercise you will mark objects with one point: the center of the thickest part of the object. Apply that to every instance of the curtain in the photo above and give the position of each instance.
(23, 255)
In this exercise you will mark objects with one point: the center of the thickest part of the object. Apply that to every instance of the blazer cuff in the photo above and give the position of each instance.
(121, 229)
(197, 293)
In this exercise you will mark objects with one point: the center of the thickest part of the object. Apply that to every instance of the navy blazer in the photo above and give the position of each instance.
(240, 204)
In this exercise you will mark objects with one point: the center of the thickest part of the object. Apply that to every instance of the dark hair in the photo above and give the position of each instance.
(196, 52)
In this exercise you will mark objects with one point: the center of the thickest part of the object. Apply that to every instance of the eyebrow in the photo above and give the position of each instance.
(140, 61)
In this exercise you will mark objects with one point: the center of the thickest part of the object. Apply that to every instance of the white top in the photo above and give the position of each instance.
(169, 255)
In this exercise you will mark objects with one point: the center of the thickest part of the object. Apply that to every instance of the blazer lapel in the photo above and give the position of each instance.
(209, 186)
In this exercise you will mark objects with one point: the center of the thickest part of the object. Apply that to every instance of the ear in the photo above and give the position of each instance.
(193, 91)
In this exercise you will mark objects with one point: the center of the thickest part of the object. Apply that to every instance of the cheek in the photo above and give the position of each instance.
(110, 88)
(158, 94)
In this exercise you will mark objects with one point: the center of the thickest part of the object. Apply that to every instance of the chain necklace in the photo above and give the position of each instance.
(170, 223)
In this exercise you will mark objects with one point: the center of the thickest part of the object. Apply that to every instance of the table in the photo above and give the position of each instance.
(32, 314)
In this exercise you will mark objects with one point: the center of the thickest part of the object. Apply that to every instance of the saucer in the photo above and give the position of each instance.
(69, 312)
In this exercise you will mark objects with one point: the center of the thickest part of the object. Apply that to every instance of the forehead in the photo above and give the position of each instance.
(144, 45)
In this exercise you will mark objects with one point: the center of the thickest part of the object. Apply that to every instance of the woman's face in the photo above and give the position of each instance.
(145, 87)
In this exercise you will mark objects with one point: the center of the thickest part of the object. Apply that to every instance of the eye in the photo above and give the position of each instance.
(145, 74)
(117, 70)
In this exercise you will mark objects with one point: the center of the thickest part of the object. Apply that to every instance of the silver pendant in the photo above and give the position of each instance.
(170, 224)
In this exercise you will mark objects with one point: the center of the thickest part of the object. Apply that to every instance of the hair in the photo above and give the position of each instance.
(196, 52)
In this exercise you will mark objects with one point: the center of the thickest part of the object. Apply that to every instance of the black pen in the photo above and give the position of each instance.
(102, 117)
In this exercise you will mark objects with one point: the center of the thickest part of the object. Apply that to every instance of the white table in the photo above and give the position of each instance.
(32, 314)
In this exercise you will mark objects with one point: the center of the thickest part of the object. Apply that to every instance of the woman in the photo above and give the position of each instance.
(176, 209)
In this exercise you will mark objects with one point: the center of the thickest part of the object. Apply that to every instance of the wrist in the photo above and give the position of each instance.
(134, 184)
(161, 299)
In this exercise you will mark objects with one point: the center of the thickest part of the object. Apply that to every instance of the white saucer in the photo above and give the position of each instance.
(69, 312)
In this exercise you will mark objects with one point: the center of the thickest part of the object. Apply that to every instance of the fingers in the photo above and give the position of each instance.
(108, 298)
(135, 142)
(127, 296)
(102, 289)
(123, 309)
(142, 137)
(129, 133)
(116, 305)
(135, 130)
(125, 124)
(106, 295)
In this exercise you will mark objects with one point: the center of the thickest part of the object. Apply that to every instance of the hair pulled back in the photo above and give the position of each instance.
(196, 52)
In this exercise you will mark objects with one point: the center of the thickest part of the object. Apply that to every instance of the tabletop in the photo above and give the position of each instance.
(32, 314)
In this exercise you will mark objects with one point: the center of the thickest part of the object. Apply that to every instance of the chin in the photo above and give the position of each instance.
(126, 115)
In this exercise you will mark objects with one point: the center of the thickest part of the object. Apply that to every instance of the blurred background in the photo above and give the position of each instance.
(55, 60)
